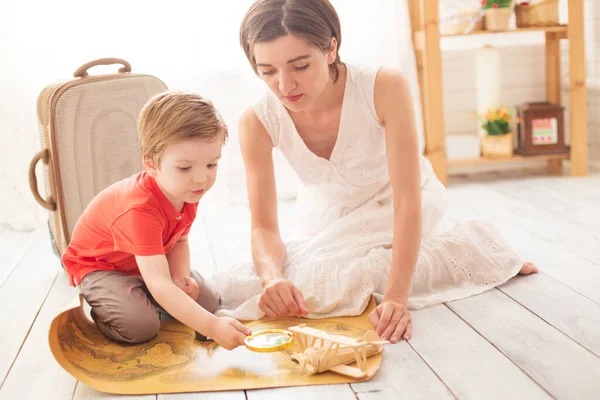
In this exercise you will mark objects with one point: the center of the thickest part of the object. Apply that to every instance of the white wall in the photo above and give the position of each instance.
(193, 45)
(189, 44)
(45, 42)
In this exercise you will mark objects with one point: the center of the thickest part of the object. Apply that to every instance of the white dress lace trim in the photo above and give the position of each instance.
(345, 220)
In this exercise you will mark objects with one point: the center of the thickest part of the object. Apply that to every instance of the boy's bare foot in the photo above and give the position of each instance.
(528, 268)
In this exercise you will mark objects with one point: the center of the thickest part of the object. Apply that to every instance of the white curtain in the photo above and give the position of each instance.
(189, 44)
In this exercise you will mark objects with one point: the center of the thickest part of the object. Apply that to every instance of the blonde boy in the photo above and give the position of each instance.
(130, 245)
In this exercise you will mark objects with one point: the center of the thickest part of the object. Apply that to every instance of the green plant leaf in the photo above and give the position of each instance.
(500, 3)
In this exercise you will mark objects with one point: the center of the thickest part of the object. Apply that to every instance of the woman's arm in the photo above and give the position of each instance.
(280, 298)
(394, 106)
(268, 249)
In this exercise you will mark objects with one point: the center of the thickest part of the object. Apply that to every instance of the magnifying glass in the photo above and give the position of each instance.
(269, 340)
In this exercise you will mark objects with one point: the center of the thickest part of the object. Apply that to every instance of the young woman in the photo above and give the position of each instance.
(370, 203)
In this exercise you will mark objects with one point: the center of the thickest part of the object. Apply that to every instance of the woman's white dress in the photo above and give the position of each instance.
(344, 252)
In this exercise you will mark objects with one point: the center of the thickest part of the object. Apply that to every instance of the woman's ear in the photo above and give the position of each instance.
(150, 167)
(332, 54)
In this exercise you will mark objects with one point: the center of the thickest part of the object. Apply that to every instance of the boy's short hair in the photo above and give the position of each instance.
(170, 117)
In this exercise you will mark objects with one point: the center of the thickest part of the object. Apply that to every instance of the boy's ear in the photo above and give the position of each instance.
(150, 167)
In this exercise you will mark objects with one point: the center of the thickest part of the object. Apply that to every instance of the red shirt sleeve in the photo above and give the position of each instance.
(139, 232)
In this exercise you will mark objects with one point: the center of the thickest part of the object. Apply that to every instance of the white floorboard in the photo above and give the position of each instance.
(557, 363)
(565, 265)
(404, 372)
(567, 311)
(452, 349)
(325, 392)
(234, 395)
(35, 365)
(22, 297)
(15, 245)
(534, 337)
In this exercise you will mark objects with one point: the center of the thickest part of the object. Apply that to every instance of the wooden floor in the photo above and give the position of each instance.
(535, 337)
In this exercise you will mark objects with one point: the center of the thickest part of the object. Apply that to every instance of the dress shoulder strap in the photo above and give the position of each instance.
(268, 110)
(364, 82)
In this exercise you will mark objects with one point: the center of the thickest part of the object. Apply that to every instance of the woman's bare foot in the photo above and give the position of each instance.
(528, 268)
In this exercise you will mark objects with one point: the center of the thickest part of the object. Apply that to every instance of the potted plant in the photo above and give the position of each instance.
(498, 141)
(497, 14)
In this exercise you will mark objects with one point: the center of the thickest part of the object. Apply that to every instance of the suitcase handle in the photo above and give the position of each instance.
(81, 72)
(43, 155)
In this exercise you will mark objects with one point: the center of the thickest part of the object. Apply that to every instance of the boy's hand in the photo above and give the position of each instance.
(229, 333)
(190, 287)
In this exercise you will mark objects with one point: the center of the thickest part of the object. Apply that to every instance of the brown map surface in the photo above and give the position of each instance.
(175, 362)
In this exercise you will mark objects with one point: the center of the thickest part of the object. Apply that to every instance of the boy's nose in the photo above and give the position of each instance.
(200, 178)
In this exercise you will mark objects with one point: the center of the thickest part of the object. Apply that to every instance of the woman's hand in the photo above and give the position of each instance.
(280, 298)
(392, 321)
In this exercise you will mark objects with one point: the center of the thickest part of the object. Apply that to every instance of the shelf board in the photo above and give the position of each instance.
(557, 28)
(514, 158)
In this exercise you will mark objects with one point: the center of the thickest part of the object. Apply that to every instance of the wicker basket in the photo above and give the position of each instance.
(544, 13)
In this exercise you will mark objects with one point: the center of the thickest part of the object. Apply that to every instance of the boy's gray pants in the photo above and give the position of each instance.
(123, 308)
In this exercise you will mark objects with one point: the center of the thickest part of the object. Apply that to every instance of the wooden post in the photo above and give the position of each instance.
(579, 129)
(426, 41)
(553, 84)
(414, 9)
(435, 146)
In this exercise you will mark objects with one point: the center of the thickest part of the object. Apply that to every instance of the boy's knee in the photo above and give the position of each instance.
(208, 296)
(137, 328)
(210, 302)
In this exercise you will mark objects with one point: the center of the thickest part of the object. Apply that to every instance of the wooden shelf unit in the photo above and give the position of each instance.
(514, 158)
(424, 16)
(556, 29)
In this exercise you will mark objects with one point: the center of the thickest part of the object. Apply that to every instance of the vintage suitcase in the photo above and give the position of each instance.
(88, 132)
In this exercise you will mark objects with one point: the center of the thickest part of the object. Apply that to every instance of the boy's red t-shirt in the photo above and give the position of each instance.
(131, 217)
